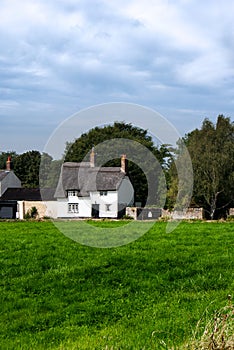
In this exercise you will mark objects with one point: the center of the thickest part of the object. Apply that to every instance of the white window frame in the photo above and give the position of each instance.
(73, 208)
(72, 193)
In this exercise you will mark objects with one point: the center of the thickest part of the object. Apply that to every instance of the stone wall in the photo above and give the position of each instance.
(188, 214)
(41, 207)
(48, 208)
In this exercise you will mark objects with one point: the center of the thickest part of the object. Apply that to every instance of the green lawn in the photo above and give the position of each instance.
(150, 294)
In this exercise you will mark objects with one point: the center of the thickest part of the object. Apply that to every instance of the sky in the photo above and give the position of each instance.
(60, 57)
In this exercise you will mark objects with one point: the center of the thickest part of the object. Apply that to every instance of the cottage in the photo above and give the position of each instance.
(85, 190)
(8, 208)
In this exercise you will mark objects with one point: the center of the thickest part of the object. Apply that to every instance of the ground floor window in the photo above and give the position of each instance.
(73, 208)
(108, 207)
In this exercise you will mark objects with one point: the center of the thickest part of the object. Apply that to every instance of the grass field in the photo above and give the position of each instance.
(150, 294)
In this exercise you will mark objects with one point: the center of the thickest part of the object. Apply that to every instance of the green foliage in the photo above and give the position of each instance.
(212, 153)
(32, 213)
(49, 171)
(26, 167)
(127, 217)
(150, 294)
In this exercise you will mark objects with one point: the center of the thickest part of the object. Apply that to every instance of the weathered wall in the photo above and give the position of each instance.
(48, 208)
(190, 213)
(41, 207)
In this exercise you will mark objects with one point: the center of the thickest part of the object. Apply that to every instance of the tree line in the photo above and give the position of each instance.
(211, 149)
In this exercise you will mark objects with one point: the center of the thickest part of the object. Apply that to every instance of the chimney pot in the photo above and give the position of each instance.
(124, 164)
(8, 164)
(92, 158)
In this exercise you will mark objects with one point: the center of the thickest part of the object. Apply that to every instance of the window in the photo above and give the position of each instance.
(73, 208)
(103, 193)
(108, 207)
(72, 193)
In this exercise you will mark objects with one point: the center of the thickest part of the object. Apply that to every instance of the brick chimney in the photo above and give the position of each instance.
(124, 164)
(92, 158)
(8, 164)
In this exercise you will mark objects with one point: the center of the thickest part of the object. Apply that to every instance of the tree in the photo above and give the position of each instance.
(26, 167)
(49, 171)
(212, 152)
(80, 149)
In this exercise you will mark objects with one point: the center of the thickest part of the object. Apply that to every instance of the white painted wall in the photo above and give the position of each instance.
(11, 180)
(51, 209)
(110, 200)
(84, 208)
(20, 210)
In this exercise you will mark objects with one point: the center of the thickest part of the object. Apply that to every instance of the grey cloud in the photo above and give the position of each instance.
(77, 54)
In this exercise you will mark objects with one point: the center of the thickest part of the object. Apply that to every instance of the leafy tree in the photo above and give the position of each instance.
(179, 178)
(26, 167)
(212, 153)
(80, 149)
(49, 171)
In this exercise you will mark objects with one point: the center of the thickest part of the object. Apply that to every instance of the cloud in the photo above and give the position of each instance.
(57, 57)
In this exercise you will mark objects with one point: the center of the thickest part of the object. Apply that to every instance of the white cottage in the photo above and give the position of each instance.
(85, 190)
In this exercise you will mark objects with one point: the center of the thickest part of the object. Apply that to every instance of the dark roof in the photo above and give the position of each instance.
(82, 177)
(28, 194)
(3, 174)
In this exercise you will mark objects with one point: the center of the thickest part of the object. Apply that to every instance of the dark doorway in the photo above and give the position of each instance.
(8, 209)
(95, 211)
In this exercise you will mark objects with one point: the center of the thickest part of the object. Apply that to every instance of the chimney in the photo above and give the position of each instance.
(8, 164)
(92, 158)
(124, 164)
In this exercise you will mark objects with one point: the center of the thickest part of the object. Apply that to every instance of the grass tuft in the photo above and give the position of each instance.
(217, 334)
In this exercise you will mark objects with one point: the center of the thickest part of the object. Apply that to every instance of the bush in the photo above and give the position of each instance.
(230, 218)
(127, 217)
(31, 213)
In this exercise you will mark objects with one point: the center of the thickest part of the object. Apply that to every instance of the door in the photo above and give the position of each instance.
(95, 211)
(8, 210)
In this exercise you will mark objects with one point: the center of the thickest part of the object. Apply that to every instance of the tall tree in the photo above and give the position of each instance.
(212, 153)
(77, 151)
(49, 171)
(26, 167)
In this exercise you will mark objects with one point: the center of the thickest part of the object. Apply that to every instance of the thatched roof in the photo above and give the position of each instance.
(86, 179)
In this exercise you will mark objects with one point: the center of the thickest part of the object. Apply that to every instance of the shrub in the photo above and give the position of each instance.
(31, 213)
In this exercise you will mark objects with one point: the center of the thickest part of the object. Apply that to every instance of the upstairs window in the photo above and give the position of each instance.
(73, 208)
(103, 193)
(72, 193)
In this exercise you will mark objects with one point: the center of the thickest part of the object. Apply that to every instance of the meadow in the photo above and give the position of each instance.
(149, 294)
